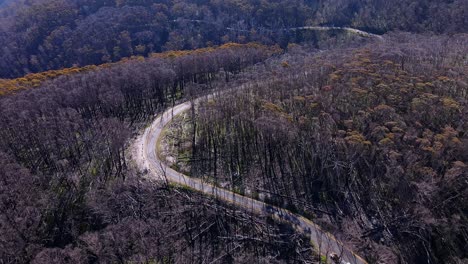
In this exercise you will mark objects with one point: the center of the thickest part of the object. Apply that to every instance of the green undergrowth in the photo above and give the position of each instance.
(174, 148)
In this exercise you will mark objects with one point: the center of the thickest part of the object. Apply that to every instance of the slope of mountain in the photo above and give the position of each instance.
(370, 142)
(52, 34)
(362, 135)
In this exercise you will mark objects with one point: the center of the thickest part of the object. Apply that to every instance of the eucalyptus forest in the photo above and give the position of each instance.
(344, 119)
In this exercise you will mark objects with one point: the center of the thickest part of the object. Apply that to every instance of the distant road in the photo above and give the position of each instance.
(317, 28)
(146, 156)
(348, 29)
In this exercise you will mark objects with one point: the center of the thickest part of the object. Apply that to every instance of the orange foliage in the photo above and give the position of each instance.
(32, 80)
(9, 86)
(230, 45)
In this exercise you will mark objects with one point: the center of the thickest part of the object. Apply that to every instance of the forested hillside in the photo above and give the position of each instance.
(371, 141)
(350, 114)
(51, 34)
(33, 80)
(69, 195)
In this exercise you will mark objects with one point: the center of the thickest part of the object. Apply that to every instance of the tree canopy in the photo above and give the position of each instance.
(37, 36)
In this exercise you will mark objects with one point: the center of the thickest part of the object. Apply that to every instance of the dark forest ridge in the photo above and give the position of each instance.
(42, 35)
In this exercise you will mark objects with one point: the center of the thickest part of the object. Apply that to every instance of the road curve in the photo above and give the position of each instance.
(146, 156)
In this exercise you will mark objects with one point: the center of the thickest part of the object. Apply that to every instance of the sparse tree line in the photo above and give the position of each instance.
(68, 194)
(371, 140)
(36, 36)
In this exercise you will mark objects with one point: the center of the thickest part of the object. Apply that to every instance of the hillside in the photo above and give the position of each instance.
(371, 141)
(69, 194)
(52, 34)
(234, 131)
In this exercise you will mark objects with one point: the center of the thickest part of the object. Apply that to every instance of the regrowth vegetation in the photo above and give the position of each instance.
(372, 141)
(69, 194)
(368, 140)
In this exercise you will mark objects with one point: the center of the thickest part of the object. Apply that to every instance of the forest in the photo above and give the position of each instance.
(370, 140)
(68, 194)
(365, 136)
(45, 35)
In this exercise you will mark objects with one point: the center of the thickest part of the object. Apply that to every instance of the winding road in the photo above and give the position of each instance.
(347, 29)
(146, 156)
(316, 28)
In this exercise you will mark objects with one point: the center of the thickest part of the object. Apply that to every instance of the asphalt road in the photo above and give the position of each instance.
(147, 158)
